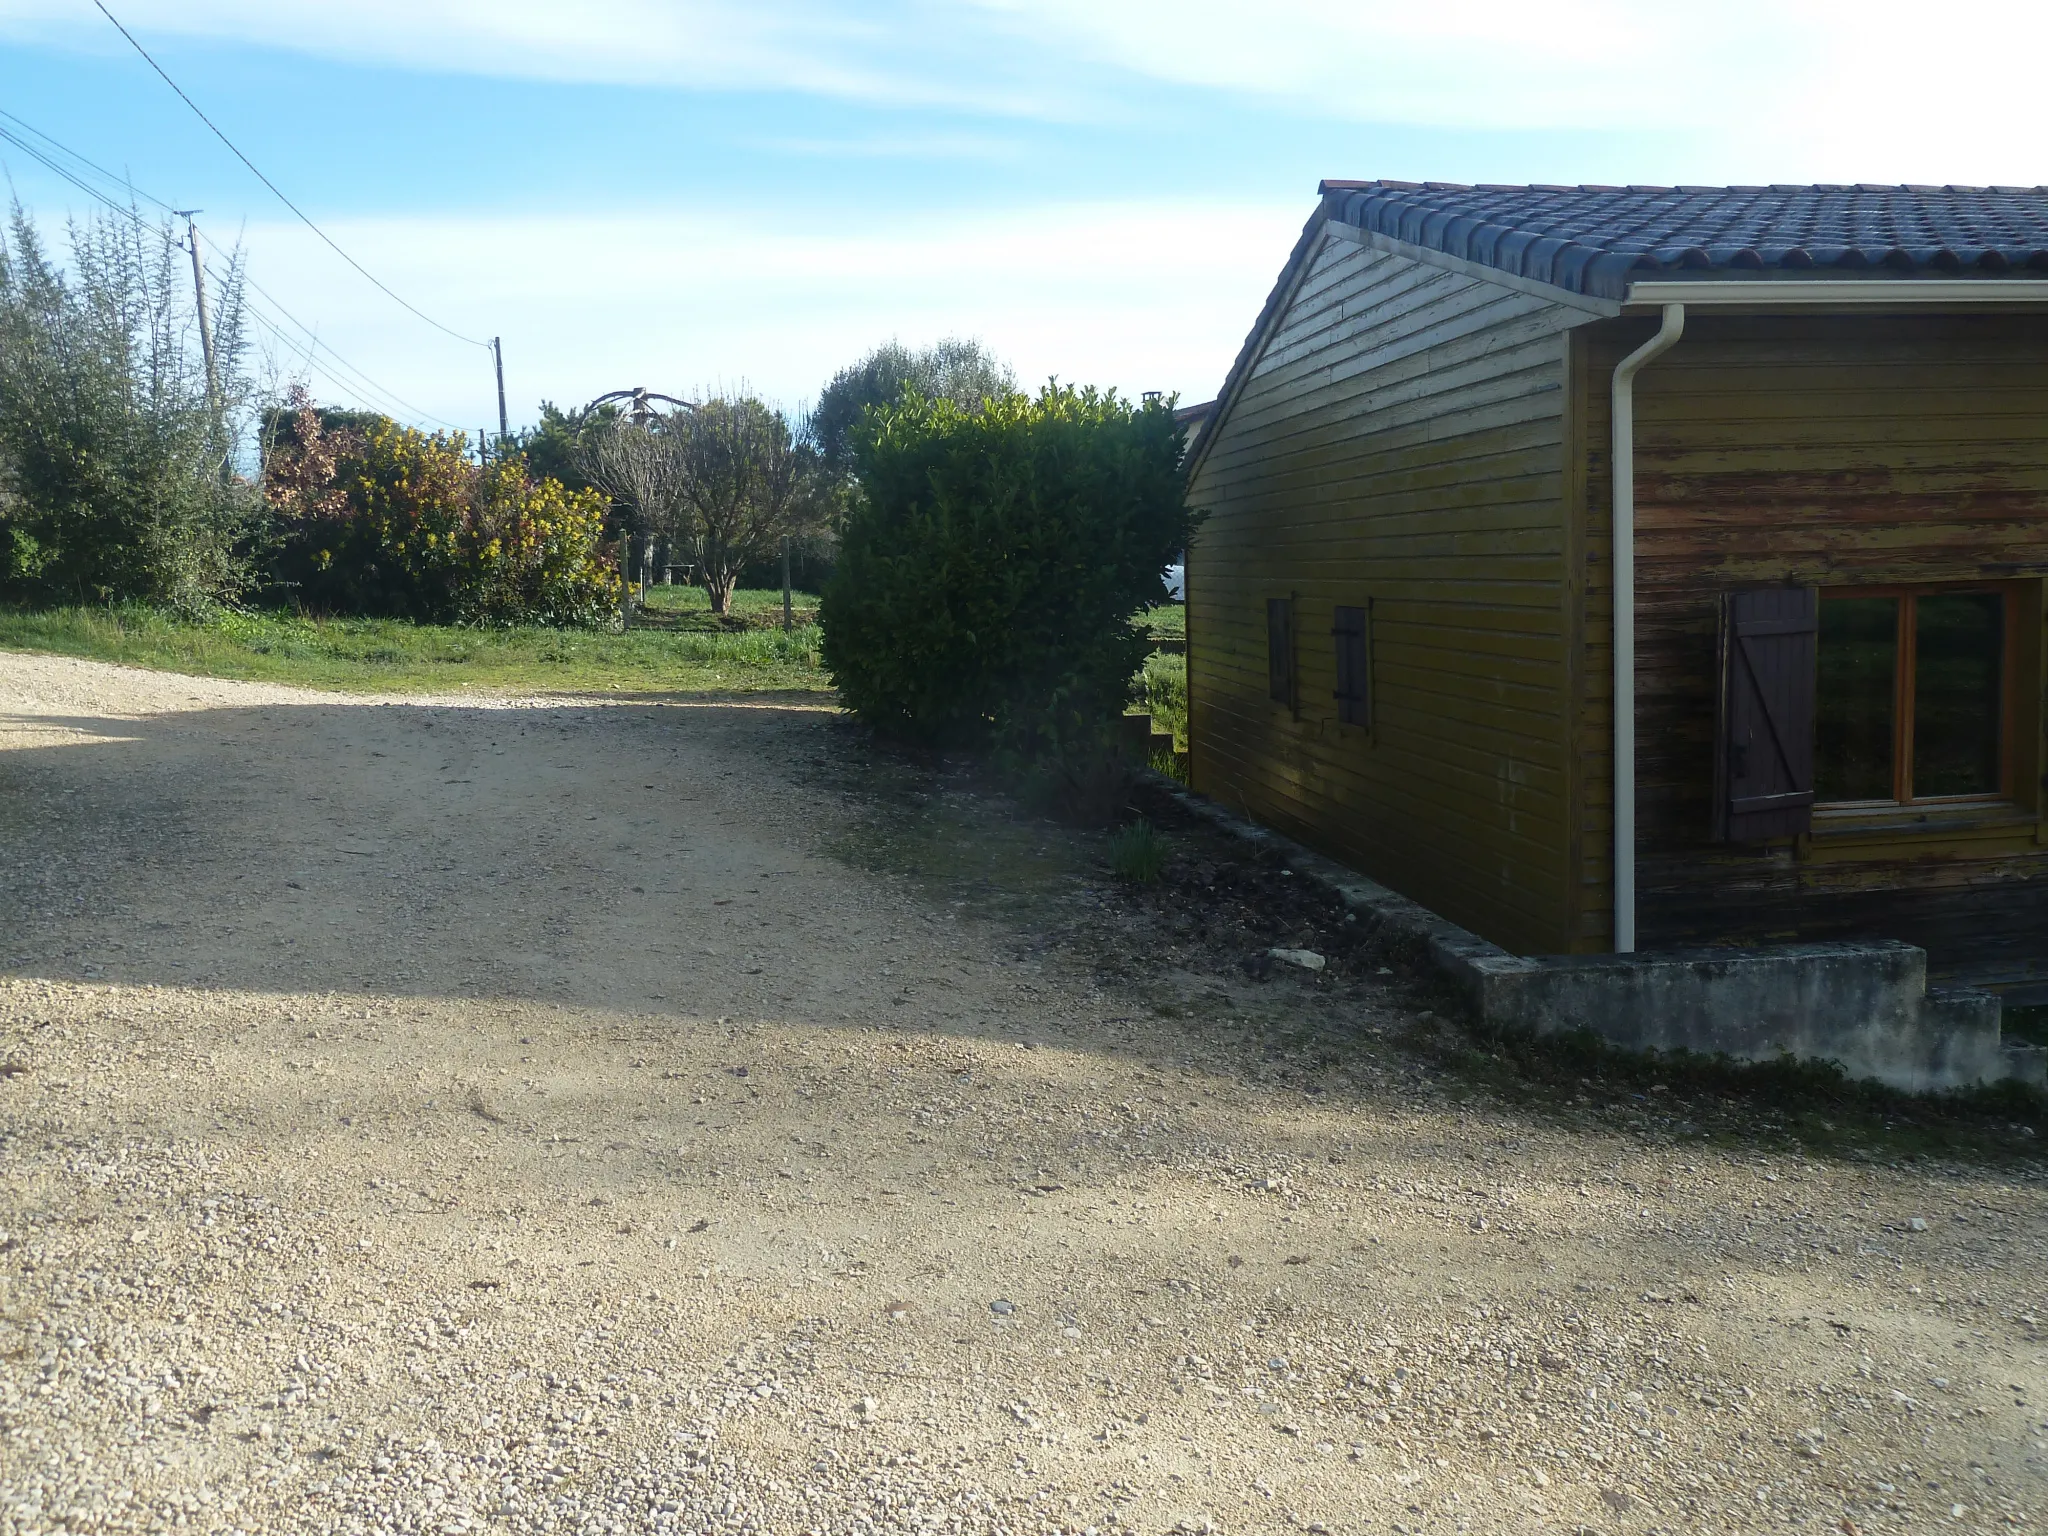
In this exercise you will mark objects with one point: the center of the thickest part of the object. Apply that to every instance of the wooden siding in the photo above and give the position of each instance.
(1823, 450)
(1400, 443)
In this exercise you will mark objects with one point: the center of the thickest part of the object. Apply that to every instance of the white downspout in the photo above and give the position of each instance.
(1623, 459)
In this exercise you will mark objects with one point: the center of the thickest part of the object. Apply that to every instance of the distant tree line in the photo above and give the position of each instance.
(729, 480)
(121, 479)
(989, 551)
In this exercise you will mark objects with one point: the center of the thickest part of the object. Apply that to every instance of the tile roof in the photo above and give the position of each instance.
(1597, 240)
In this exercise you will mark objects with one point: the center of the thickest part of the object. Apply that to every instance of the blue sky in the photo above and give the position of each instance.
(692, 194)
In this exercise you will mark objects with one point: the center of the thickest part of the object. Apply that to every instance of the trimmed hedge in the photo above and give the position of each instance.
(990, 571)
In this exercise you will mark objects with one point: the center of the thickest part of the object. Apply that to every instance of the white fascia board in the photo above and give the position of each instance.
(1885, 292)
(1374, 240)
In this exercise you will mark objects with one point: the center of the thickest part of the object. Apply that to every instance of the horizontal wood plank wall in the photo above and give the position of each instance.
(1400, 443)
(1823, 450)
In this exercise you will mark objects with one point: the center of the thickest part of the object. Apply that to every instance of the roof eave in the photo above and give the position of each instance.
(1838, 293)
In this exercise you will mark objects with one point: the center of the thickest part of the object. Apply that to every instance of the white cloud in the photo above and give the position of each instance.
(1148, 296)
(1770, 89)
(887, 52)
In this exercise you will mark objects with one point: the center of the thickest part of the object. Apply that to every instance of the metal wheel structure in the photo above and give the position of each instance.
(640, 411)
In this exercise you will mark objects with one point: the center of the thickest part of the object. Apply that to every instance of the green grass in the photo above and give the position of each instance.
(688, 653)
(1163, 690)
(1138, 853)
(1169, 621)
(689, 608)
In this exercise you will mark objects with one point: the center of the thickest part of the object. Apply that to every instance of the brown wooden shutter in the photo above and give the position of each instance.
(1280, 649)
(1764, 754)
(1352, 632)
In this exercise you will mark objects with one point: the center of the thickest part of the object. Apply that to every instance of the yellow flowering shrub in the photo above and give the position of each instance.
(415, 528)
(535, 555)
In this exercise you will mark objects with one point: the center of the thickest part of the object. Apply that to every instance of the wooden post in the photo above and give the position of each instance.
(785, 584)
(213, 399)
(625, 578)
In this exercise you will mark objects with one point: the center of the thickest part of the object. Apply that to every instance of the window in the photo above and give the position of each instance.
(1353, 634)
(1910, 702)
(1862, 699)
(1280, 649)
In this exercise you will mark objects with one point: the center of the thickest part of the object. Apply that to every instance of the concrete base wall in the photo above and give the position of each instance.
(1866, 1006)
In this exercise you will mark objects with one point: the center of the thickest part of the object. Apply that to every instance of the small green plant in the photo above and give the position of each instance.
(1170, 765)
(1138, 853)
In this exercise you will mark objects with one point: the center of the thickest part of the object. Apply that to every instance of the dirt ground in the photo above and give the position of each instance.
(640, 1115)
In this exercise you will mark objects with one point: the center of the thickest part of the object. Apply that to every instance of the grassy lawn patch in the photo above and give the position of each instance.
(689, 608)
(681, 648)
(1169, 621)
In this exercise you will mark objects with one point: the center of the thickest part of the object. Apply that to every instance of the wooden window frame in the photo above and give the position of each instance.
(2013, 595)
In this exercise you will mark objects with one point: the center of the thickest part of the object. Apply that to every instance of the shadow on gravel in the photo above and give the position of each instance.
(596, 852)
(485, 847)
(1220, 908)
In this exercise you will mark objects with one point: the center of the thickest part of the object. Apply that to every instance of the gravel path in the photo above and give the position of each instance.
(551, 1116)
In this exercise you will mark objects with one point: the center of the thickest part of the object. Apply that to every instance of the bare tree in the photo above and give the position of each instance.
(749, 479)
(642, 469)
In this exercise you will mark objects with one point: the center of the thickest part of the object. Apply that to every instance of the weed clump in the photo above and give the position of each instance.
(1138, 853)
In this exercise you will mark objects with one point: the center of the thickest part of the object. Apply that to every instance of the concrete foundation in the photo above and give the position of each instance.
(1865, 1006)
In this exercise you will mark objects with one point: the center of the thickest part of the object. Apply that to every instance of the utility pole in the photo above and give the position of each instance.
(785, 584)
(205, 325)
(498, 355)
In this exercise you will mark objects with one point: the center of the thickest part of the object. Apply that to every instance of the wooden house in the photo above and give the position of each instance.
(1829, 410)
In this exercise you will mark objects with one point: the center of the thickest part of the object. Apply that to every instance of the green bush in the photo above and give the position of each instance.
(990, 571)
(390, 521)
(112, 474)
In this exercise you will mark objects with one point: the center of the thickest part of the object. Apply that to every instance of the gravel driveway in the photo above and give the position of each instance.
(570, 1115)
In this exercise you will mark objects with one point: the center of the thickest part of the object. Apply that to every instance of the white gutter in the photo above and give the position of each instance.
(1883, 292)
(1623, 461)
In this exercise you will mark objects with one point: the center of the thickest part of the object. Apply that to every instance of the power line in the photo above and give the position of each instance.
(303, 217)
(64, 149)
(366, 384)
(64, 172)
(378, 399)
(362, 384)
